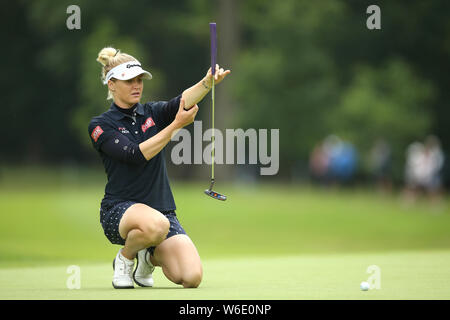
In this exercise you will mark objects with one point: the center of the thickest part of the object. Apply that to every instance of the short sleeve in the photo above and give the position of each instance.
(164, 112)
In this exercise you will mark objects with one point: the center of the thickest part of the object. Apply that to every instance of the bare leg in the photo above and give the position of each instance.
(179, 260)
(142, 226)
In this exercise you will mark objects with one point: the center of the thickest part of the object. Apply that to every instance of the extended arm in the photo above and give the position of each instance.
(197, 92)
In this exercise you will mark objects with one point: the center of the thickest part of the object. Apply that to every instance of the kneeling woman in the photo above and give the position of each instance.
(138, 209)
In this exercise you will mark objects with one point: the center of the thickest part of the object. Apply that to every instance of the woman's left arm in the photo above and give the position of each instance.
(197, 92)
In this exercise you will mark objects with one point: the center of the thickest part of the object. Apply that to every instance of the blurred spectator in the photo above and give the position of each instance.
(380, 164)
(413, 167)
(318, 163)
(343, 161)
(333, 160)
(423, 171)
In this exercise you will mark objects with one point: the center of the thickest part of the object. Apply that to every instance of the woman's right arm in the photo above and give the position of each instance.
(155, 144)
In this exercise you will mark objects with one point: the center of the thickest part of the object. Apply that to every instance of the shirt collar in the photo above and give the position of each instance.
(117, 114)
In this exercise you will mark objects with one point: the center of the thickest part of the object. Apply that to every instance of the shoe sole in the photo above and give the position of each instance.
(120, 287)
(134, 275)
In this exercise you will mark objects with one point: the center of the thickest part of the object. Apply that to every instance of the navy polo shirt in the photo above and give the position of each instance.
(130, 175)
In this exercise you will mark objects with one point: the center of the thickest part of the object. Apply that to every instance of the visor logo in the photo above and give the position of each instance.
(148, 123)
(132, 65)
(96, 133)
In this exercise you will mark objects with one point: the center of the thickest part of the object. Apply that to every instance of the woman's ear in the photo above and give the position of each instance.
(111, 86)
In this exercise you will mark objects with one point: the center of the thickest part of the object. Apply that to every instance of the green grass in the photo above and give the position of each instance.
(53, 223)
(265, 241)
(403, 275)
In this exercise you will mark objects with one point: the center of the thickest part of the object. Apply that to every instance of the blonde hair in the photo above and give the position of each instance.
(110, 57)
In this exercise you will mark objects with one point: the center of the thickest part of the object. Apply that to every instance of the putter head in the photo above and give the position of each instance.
(215, 195)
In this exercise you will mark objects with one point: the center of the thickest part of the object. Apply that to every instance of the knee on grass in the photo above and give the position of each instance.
(190, 280)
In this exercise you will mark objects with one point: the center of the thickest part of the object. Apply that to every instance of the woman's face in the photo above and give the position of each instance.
(127, 92)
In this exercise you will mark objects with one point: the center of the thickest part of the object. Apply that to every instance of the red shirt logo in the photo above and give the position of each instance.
(148, 123)
(96, 133)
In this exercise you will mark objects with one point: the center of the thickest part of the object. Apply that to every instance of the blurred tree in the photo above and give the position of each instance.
(283, 77)
(308, 68)
(312, 69)
(390, 102)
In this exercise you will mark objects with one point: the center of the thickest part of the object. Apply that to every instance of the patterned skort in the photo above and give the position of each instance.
(110, 217)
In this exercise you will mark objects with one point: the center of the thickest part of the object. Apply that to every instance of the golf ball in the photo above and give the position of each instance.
(364, 286)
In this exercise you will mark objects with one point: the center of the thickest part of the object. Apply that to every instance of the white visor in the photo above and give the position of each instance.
(126, 71)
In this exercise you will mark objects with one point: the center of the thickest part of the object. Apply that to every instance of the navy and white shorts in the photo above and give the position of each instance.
(110, 217)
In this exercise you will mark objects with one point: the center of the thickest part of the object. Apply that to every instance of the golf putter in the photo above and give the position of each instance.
(210, 192)
(214, 194)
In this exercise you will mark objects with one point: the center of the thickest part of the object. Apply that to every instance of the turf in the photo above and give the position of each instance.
(276, 241)
(403, 275)
(60, 221)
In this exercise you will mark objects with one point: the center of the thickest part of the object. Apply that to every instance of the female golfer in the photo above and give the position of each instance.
(138, 209)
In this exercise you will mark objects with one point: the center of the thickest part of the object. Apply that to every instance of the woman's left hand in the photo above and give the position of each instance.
(219, 75)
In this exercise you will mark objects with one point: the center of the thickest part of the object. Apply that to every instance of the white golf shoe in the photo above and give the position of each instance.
(144, 269)
(123, 270)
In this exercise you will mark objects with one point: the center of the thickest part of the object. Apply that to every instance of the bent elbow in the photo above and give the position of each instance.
(135, 156)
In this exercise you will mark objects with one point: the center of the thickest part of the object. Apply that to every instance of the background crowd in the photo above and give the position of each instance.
(334, 161)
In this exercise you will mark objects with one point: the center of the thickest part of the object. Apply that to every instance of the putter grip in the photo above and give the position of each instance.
(212, 28)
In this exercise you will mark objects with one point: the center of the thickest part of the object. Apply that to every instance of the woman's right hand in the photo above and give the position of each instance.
(183, 116)
(220, 74)
(155, 144)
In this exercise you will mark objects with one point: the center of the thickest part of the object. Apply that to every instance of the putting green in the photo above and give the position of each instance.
(56, 224)
(403, 275)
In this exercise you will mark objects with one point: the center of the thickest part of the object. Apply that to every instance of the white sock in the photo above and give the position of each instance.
(124, 258)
